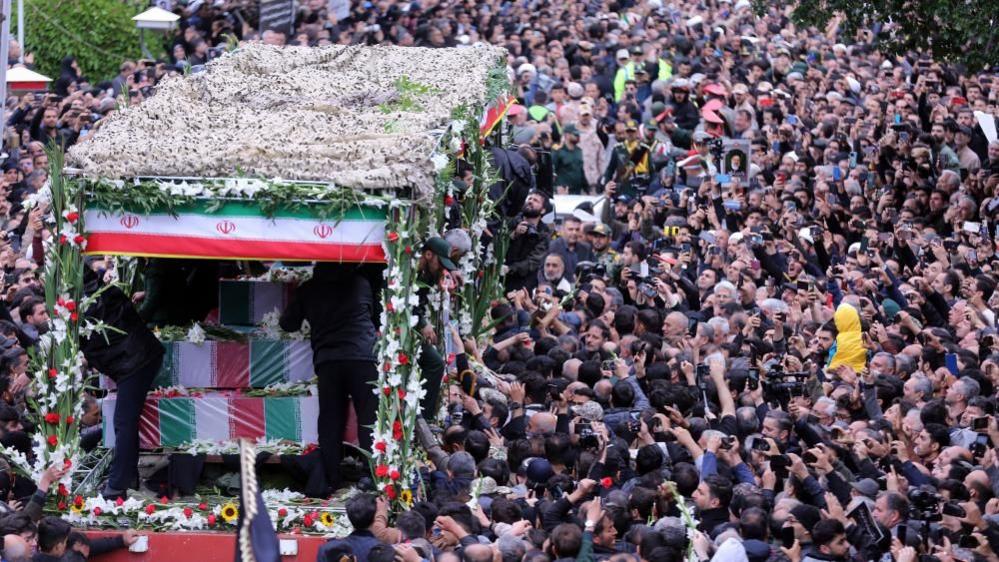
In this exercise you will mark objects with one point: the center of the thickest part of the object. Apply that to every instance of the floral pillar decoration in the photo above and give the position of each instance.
(400, 383)
(56, 365)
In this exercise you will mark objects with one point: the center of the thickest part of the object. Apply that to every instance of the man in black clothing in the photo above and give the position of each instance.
(434, 260)
(529, 239)
(712, 498)
(131, 355)
(339, 303)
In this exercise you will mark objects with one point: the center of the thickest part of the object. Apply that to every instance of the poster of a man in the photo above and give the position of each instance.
(735, 159)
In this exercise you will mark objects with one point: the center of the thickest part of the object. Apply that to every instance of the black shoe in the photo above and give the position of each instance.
(109, 493)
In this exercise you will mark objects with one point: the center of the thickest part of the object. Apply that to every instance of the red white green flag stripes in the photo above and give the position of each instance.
(232, 365)
(172, 422)
(238, 230)
(244, 302)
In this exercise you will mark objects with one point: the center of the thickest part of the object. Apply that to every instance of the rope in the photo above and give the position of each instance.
(248, 476)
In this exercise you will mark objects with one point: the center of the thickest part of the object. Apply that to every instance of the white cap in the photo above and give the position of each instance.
(854, 85)
(622, 54)
(886, 65)
(526, 67)
(696, 20)
(740, 5)
(806, 235)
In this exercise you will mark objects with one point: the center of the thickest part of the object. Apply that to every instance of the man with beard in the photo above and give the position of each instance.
(553, 274)
(342, 332)
(34, 318)
(434, 260)
(529, 239)
(603, 254)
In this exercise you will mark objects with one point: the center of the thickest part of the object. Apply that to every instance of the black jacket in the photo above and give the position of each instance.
(339, 304)
(129, 345)
(525, 255)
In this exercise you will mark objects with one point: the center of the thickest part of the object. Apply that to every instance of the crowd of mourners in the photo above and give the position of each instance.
(796, 362)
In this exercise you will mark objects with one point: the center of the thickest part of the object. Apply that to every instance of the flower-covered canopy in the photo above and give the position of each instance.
(357, 116)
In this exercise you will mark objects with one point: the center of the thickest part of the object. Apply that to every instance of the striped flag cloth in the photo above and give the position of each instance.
(171, 422)
(254, 364)
(244, 303)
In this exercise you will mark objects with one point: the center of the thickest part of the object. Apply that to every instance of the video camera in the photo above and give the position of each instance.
(780, 386)
(927, 505)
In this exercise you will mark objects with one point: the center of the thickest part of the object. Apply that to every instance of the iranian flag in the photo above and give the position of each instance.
(172, 422)
(231, 365)
(245, 302)
(238, 230)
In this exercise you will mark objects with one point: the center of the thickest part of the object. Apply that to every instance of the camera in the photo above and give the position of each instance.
(587, 437)
(781, 386)
(927, 505)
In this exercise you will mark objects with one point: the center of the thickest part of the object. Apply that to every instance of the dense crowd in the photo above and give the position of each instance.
(785, 354)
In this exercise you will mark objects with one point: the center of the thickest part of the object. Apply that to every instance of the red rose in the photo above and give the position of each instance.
(62, 491)
(78, 239)
(119, 502)
(68, 463)
(73, 316)
(402, 394)
(380, 446)
(606, 482)
(61, 506)
(387, 390)
(188, 512)
(392, 236)
(52, 418)
(397, 430)
(53, 373)
(282, 512)
(97, 511)
(69, 421)
(387, 367)
(408, 249)
(53, 440)
(62, 239)
(307, 520)
(70, 306)
(309, 448)
(448, 200)
(389, 307)
(381, 471)
(211, 519)
(71, 217)
(78, 501)
(150, 509)
(164, 499)
(203, 506)
(390, 492)
(394, 475)
(403, 359)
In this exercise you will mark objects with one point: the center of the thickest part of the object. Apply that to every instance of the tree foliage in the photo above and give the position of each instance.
(956, 31)
(99, 33)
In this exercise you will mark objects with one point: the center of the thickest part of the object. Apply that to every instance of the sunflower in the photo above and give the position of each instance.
(326, 519)
(230, 512)
(75, 509)
(406, 496)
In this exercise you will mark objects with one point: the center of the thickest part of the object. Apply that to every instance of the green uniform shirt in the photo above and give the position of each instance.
(568, 166)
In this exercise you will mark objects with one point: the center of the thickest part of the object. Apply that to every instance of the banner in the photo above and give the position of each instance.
(238, 230)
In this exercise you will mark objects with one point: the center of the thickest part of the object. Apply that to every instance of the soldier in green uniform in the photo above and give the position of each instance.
(599, 239)
(567, 162)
